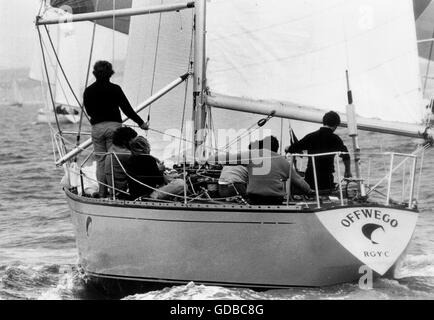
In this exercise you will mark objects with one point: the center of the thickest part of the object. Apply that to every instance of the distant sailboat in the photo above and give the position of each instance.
(64, 114)
(17, 98)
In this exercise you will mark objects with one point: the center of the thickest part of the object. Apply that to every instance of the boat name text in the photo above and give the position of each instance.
(368, 214)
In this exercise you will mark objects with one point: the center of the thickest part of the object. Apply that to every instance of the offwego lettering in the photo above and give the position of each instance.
(368, 214)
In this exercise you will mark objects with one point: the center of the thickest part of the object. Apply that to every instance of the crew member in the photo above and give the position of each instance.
(102, 100)
(323, 141)
(268, 171)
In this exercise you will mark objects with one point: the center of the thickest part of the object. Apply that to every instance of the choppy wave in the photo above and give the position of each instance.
(414, 280)
(416, 266)
(383, 289)
(27, 282)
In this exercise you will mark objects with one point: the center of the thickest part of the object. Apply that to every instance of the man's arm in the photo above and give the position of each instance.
(299, 146)
(345, 158)
(126, 108)
(87, 103)
(298, 181)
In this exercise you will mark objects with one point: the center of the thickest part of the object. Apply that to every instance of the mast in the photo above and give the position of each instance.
(199, 108)
(352, 129)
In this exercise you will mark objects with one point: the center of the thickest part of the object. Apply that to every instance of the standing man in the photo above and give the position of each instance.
(102, 100)
(323, 141)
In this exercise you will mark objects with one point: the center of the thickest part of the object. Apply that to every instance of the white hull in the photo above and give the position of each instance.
(11, 104)
(45, 116)
(234, 246)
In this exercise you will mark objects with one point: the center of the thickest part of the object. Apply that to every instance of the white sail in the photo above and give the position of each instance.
(425, 32)
(159, 52)
(17, 96)
(73, 42)
(299, 50)
(74, 49)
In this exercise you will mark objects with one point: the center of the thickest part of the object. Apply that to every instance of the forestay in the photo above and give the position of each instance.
(298, 51)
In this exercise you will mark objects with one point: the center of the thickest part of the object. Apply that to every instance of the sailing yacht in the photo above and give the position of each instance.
(17, 98)
(285, 60)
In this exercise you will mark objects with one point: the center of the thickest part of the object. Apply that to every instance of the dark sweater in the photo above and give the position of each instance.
(143, 168)
(102, 100)
(321, 141)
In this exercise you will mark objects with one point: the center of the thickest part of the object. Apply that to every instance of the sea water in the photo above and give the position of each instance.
(38, 255)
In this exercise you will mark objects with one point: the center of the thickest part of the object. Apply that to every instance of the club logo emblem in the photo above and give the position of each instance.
(370, 229)
(376, 236)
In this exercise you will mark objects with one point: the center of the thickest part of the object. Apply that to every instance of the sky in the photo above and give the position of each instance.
(20, 47)
(17, 33)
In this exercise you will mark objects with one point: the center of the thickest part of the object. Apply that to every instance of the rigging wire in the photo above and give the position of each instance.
(113, 33)
(87, 77)
(63, 71)
(212, 129)
(40, 7)
(281, 137)
(425, 147)
(155, 62)
(46, 101)
(429, 64)
(58, 82)
(48, 79)
(257, 125)
(172, 136)
(189, 70)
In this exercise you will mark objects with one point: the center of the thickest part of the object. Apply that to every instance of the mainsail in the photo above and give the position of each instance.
(159, 51)
(286, 51)
(298, 51)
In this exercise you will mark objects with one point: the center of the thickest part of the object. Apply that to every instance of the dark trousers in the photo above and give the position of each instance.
(232, 190)
(325, 180)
